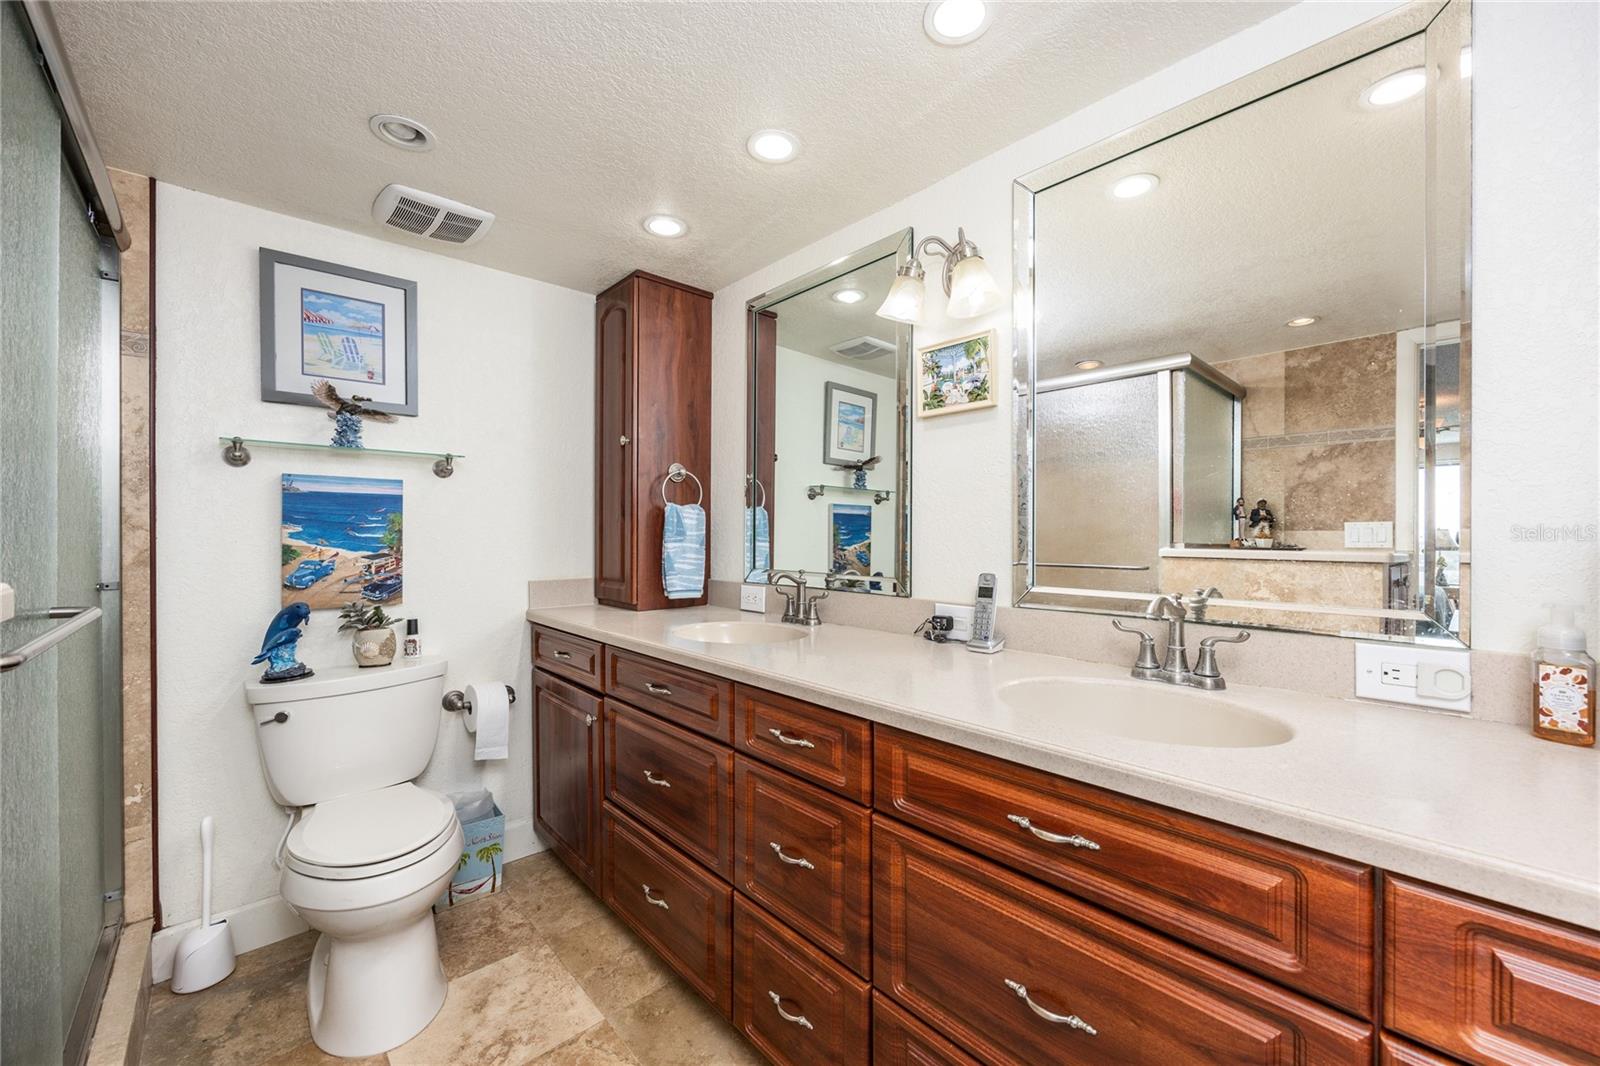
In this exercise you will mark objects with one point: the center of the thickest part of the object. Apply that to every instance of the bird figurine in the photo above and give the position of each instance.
(278, 646)
(861, 468)
(347, 414)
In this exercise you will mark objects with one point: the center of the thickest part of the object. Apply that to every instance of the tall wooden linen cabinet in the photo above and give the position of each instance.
(652, 409)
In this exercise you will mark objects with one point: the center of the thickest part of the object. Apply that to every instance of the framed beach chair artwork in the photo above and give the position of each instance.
(325, 322)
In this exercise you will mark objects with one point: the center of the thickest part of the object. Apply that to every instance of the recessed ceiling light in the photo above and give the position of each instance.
(773, 146)
(1088, 364)
(956, 22)
(665, 226)
(401, 132)
(1303, 320)
(1134, 185)
(1396, 88)
(849, 296)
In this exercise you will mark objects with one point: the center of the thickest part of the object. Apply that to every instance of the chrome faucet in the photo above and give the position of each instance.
(800, 608)
(1175, 671)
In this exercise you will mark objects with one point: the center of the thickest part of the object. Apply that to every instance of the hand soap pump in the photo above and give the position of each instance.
(1563, 681)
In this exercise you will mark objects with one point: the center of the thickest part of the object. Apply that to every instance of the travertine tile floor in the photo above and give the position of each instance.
(539, 973)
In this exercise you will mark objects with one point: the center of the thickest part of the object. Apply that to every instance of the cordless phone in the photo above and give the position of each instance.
(983, 638)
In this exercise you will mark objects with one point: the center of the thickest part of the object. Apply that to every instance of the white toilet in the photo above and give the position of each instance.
(371, 851)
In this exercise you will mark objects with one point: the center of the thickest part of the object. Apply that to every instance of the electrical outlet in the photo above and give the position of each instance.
(1414, 674)
(962, 613)
(753, 598)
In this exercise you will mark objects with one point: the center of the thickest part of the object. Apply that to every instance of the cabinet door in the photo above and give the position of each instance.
(615, 579)
(567, 755)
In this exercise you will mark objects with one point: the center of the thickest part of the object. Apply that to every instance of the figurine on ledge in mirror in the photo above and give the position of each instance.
(1239, 514)
(859, 481)
(1262, 522)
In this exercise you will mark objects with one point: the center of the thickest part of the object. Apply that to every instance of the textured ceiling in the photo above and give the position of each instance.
(573, 121)
(1305, 203)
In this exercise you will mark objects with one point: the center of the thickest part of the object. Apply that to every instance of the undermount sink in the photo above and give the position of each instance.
(738, 632)
(1144, 710)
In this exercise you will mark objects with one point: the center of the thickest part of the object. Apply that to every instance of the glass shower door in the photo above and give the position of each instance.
(59, 727)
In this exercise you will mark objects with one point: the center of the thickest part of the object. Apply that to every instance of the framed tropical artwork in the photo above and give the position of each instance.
(325, 322)
(850, 538)
(849, 424)
(343, 540)
(956, 375)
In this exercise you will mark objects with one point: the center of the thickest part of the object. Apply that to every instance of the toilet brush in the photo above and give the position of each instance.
(205, 955)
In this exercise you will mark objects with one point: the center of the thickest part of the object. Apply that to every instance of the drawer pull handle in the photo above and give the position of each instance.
(657, 690)
(1053, 838)
(797, 742)
(654, 900)
(798, 1019)
(650, 776)
(802, 863)
(1070, 1020)
(564, 656)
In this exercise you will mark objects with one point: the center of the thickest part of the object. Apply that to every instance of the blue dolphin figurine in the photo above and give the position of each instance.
(278, 646)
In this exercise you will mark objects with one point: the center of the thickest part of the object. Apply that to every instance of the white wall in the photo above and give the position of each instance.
(506, 379)
(1534, 352)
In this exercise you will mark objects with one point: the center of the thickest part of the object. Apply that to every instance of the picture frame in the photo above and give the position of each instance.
(956, 375)
(849, 425)
(342, 540)
(352, 327)
(850, 538)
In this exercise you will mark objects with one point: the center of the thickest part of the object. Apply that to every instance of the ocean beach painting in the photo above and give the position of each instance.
(850, 537)
(341, 337)
(342, 540)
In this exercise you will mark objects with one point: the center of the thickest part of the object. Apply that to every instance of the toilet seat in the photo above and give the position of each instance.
(369, 834)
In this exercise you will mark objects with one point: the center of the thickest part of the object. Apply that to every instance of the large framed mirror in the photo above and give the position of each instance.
(828, 480)
(1243, 344)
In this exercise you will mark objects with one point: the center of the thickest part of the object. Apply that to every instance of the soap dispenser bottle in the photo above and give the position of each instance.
(1563, 681)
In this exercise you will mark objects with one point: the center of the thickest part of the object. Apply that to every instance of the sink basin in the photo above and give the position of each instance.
(1149, 711)
(738, 632)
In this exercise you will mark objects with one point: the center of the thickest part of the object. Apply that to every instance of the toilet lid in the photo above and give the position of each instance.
(370, 827)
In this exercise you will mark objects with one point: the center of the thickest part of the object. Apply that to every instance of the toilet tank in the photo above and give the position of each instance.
(347, 729)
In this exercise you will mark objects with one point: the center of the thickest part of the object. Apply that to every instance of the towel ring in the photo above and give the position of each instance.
(675, 474)
(753, 480)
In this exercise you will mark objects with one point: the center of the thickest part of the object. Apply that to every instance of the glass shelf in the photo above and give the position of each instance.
(878, 495)
(236, 452)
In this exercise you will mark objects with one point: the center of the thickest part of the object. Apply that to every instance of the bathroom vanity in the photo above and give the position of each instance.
(925, 864)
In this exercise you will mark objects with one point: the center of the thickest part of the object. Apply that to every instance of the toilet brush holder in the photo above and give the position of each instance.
(205, 955)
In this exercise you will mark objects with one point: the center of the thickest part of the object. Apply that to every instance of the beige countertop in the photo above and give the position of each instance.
(1481, 807)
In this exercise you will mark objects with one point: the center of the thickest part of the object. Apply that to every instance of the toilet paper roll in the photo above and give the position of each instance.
(489, 717)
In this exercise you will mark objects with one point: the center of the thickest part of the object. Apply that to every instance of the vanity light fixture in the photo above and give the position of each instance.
(402, 132)
(969, 287)
(1134, 185)
(1303, 320)
(773, 146)
(1396, 88)
(956, 22)
(849, 296)
(1088, 364)
(665, 226)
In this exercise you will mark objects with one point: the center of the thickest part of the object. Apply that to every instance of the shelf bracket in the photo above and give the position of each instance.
(444, 467)
(813, 492)
(236, 454)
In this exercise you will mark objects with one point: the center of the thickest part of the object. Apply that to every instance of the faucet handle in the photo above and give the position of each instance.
(1147, 646)
(1207, 664)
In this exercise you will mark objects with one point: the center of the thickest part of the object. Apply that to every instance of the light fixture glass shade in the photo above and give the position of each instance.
(904, 302)
(973, 290)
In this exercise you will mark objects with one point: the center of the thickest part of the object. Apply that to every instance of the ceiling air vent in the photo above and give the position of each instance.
(863, 348)
(428, 215)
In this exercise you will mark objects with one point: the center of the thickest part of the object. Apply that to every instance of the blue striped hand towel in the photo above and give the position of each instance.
(758, 542)
(683, 551)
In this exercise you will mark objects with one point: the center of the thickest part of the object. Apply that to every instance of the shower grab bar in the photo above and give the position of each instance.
(76, 619)
(1092, 566)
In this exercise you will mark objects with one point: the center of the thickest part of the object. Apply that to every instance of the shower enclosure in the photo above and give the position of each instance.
(60, 693)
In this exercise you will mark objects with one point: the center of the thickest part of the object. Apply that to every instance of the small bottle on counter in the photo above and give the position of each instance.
(1563, 681)
(413, 646)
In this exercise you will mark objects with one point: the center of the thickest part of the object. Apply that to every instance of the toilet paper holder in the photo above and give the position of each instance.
(455, 700)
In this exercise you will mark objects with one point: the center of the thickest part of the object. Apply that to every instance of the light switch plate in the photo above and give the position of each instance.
(753, 598)
(962, 613)
(1419, 676)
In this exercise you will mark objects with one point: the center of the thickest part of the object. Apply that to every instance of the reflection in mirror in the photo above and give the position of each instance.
(828, 482)
(1247, 342)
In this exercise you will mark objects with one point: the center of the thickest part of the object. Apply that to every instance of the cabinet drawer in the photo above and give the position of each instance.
(678, 784)
(1020, 973)
(899, 1039)
(1284, 912)
(1396, 1052)
(681, 911)
(796, 1005)
(825, 747)
(573, 658)
(1486, 984)
(803, 854)
(691, 699)
(567, 757)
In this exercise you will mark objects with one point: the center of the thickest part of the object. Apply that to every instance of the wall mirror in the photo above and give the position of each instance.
(828, 485)
(1243, 338)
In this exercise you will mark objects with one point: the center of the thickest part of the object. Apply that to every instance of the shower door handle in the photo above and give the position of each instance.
(76, 619)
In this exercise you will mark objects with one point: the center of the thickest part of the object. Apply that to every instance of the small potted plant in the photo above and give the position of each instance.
(374, 643)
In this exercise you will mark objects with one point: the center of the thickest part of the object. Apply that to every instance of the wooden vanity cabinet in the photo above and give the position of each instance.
(567, 768)
(652, 409)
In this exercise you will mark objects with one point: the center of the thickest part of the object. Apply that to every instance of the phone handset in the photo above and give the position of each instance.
(983, 610)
